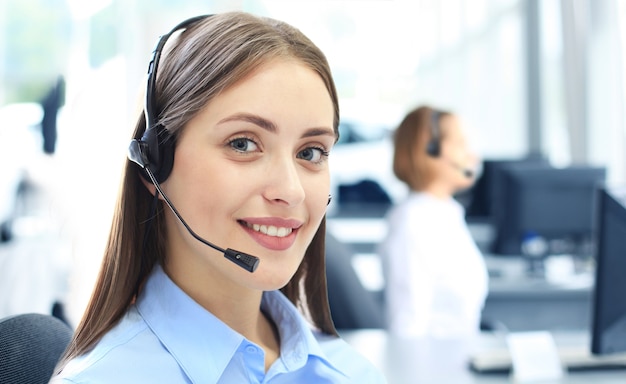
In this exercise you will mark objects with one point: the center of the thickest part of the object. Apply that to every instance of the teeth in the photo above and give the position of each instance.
(270, 230)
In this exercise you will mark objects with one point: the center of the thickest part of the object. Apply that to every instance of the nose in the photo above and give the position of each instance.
(284, 184)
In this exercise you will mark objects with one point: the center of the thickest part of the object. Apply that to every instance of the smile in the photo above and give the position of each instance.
(270, 230)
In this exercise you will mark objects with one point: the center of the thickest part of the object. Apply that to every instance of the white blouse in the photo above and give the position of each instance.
(435, 276)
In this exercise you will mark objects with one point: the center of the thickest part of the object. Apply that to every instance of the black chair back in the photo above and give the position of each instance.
(352, 306)
(30, 347)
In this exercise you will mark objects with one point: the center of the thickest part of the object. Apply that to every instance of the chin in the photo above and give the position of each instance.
(465, 184)
(271, 279)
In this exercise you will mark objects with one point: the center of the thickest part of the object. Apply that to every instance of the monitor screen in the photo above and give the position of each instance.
(609, 304)
(554, 205)
(480, 206)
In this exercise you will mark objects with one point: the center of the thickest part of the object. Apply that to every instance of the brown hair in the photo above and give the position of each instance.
(411, 162)
(208, 57)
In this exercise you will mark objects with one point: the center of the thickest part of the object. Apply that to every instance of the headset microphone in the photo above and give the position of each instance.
(245, 261)
(465, 171)
(468, 173)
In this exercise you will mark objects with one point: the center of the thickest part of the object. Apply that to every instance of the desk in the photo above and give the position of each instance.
(445, 361)
(515, 300)
(524, 303)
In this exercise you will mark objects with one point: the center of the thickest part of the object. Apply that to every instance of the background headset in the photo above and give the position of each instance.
(154, 152)
(433, 148)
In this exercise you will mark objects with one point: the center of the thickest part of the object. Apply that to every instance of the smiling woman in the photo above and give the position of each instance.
(233, 147)
(270, 146)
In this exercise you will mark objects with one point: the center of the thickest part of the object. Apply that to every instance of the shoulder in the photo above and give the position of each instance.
(416, 202)
(413, 214)
(116, 353)
(345, 358)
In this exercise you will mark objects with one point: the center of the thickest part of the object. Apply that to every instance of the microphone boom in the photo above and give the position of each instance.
(244, 260)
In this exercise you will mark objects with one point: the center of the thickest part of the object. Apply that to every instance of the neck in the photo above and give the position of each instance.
(237, 306)
(438, 191)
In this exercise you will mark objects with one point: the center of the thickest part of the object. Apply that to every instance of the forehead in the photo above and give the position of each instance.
(286, 93)
(280, 80)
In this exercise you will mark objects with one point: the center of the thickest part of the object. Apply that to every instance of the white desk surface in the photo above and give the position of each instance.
(446, 361)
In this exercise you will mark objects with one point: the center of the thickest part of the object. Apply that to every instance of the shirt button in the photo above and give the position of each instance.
(251, 349)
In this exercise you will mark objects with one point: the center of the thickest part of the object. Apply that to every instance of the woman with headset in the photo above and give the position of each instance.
(231, 151)
(436, 278)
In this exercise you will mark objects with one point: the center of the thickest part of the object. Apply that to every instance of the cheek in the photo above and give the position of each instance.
(318, 210)
(317, 193)
(455, 152)
(195, 181)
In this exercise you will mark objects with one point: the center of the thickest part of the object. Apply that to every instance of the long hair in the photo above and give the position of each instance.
(207, 58)
(411, 162)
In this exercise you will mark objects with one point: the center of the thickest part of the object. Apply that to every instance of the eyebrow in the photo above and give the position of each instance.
(271, 127)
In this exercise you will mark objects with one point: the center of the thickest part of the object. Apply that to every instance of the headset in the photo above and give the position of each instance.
(154, 152)
(433, 148)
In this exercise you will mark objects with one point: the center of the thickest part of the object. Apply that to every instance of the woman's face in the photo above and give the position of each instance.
(251, 173)
(456, 156)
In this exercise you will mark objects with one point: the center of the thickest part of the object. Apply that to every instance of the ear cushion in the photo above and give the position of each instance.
(433, 148)
(158, 147)
(166, 151)
(434, 144)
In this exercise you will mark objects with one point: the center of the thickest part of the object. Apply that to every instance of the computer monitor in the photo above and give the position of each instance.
(609, 299)
(552, 206)
(480, 206)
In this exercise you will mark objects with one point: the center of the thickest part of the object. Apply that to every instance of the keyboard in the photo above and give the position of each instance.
(573, 358)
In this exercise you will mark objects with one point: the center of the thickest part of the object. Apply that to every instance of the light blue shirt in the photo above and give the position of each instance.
(166, 337)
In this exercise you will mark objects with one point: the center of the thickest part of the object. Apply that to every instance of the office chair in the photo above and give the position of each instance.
(352, 306)
(30, 347)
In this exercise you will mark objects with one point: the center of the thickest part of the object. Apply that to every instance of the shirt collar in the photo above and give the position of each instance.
(203, 345)
(297, 341)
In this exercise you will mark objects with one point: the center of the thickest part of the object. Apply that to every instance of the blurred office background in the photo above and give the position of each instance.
(530, 79)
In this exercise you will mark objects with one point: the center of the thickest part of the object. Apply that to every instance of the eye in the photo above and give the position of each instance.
(243, 144)
(315, 155)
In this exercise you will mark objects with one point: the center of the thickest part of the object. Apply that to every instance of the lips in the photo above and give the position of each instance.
(270, 230)
(272, 233)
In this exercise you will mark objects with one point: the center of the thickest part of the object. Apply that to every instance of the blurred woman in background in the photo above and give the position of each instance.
(436, 278)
